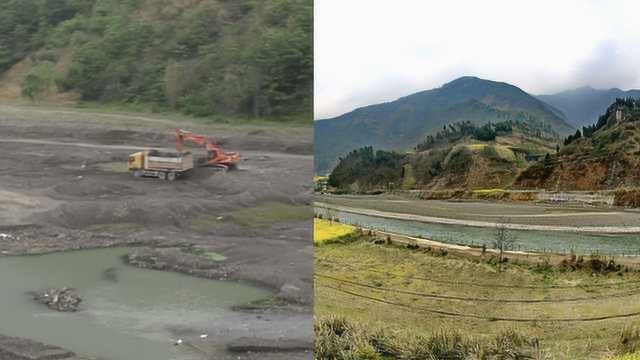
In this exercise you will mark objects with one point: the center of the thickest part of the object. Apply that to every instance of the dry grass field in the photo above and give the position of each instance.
(568, 315)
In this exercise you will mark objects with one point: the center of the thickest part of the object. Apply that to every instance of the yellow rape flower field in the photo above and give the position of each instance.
(324, 230)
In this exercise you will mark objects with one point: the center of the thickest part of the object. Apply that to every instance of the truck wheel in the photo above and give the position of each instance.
(137, 173)
(162, 175)
(171, 176)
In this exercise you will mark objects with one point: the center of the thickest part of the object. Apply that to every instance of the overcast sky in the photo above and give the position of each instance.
(372, 51)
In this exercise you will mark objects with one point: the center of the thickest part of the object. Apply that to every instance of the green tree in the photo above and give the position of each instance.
(39, 80)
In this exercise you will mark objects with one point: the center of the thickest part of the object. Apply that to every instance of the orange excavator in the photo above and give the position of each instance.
(216, 157)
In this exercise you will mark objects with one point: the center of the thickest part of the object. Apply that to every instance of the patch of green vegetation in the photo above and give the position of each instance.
(214, 256)
(368, 169)
(520, 163)
(490, 152)
(40, 79)
(271, 213)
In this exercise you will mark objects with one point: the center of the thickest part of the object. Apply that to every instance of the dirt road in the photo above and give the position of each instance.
(64, 185)
(488, 224)
(544, 216)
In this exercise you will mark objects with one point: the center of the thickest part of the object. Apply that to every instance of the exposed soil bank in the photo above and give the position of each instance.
(12, 348)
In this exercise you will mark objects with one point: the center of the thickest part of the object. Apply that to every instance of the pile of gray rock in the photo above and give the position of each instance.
(60, 299)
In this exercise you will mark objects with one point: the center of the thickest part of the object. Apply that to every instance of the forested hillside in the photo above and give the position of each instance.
(202, 57)
(460, 155)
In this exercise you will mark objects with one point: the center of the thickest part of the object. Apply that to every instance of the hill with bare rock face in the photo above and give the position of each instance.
(602, 156)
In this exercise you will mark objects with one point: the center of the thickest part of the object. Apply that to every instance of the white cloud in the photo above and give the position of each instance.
(369, 51)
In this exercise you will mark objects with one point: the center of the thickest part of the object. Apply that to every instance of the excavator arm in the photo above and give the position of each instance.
(216, 157)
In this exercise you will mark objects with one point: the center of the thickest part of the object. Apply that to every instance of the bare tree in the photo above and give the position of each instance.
(503, 241)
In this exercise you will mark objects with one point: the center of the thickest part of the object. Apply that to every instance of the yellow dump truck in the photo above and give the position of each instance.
(162, 165)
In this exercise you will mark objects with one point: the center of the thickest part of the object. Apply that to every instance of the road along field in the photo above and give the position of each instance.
(64, 186)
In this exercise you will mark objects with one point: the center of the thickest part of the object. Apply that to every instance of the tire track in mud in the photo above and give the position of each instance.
(480, 317)
(472, 299)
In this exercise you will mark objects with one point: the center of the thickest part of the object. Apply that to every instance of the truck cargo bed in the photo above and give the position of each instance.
(169, 161)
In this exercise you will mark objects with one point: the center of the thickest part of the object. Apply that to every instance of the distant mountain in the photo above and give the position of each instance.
(400, 124)
(582, 106)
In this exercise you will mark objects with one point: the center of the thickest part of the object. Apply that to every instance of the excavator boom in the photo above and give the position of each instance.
(215, 155)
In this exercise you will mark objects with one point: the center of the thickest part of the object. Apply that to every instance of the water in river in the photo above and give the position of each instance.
(125, 315)
(529, 240)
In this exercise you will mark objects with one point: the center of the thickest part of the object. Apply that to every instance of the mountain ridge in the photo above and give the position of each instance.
(400, 124)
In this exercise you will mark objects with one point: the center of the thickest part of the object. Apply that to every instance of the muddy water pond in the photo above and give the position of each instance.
(525, 240)
(127, 313)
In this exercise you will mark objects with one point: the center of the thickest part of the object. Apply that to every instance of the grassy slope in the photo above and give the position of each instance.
(396, 268)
